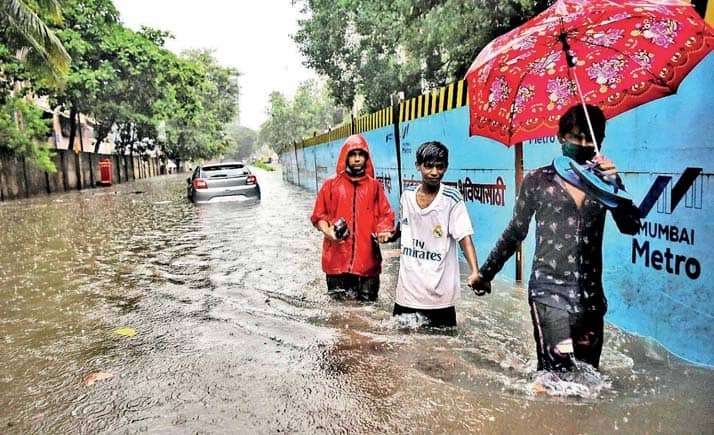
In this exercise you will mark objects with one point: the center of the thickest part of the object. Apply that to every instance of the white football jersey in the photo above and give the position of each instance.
(428, 261)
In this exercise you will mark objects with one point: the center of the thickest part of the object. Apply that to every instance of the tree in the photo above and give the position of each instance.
(246, 141)
(121, 78)
(376, 48)
(87, 25)
(22, 131)
(201, 134)
(24, 26)
(311, 111)
(127, 82)
(29, 52)
(138, 90)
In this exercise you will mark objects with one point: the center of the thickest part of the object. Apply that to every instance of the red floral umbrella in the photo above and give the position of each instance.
(613, 54)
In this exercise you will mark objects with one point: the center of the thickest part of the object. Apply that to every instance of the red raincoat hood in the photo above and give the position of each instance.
(354, 142)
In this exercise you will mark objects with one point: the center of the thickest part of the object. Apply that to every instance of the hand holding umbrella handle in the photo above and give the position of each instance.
(608, 178)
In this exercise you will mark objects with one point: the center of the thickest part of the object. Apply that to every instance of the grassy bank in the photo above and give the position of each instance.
(263, 166)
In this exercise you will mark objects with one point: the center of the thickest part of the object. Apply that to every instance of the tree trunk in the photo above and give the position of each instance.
(102, 133)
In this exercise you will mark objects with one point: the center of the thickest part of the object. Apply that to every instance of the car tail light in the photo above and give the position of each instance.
(200, 183)
(251, 179)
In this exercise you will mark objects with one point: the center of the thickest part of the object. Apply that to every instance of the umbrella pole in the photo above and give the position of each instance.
(585, 109)
(609, 178)
(563, 37)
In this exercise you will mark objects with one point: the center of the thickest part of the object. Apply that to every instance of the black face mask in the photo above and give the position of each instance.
(578, 153)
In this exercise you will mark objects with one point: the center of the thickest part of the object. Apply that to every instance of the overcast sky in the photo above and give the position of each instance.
(252, 36)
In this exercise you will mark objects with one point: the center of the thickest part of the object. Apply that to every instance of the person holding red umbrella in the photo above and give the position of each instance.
(565, 291)
(609, 56)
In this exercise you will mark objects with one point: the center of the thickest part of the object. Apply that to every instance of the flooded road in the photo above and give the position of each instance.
(235, 334)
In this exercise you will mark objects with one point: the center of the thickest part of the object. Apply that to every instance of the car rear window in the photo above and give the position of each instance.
(224, 167)
(226, 171)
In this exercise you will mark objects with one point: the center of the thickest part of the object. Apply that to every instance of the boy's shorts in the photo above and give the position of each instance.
(438, 317)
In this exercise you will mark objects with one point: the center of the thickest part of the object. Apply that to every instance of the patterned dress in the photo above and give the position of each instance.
(567, 264)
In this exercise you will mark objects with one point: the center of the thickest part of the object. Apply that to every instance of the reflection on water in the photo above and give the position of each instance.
(235, 333)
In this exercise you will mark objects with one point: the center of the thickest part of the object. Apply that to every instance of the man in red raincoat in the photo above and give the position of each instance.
(350, 256)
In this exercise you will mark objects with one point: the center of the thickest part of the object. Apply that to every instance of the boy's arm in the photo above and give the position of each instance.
(627, 218)
(467, 247)
(515, 232)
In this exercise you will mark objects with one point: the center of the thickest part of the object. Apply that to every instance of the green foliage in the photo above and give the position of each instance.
(136, 93)
(376, 48)
(12, 70)
(118, 76)
(23, 133)
(311, 111)
(246, 141)
(201, 133)
(263, 166)
(22, 25)
(126, 81)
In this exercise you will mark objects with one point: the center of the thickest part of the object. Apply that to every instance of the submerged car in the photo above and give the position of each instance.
(217, 182)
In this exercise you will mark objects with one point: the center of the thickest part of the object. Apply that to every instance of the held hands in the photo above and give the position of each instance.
(388, 236)
(478, 284)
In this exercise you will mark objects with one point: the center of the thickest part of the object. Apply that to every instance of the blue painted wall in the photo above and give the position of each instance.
(658, 282)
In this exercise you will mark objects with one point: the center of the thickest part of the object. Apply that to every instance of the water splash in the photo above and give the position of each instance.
(584, 381)
(412, 321)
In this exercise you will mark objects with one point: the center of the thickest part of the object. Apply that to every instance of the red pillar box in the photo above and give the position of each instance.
(105, 172)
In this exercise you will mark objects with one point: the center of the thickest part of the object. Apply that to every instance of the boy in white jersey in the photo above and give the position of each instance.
(433, 219)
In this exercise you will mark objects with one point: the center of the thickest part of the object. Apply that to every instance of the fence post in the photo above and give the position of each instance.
(92, 181)
(78, 170)
(63, 164)
(297, 162)
(25, 179)
(519, 180)
(317, 180)
(2, 179)
(397, 143)
(81, 182)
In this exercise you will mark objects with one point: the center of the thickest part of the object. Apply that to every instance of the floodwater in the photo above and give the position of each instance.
(235, 334)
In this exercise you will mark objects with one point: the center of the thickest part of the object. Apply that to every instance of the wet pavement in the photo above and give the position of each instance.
(235, 334)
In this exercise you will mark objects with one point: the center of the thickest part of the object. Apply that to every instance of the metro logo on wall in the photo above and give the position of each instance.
(678, 240)
(667, 200)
